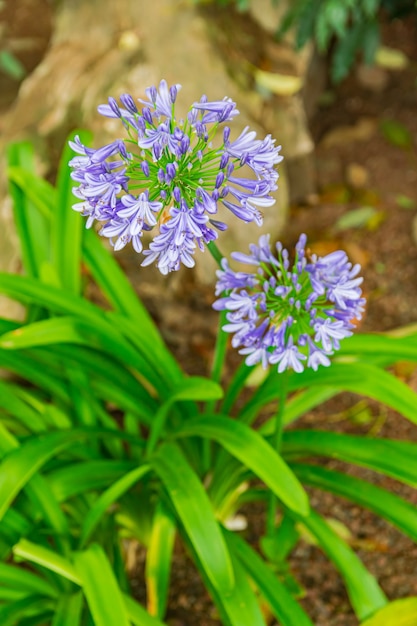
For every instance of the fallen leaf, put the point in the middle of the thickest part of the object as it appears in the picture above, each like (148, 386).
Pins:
(376, 220)
(11, 65)
(356, 218)
(391, 59)
(396, 134)
(363, 130)
(279, 84)
(404, 202)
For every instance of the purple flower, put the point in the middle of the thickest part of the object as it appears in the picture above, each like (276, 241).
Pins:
(177, 240)
(218, 111)
(176, 166)
(161, 101)
(130, 221)
(285, 313)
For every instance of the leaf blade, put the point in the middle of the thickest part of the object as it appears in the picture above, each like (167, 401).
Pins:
(100, 587)
(254, 452)
(195, 512)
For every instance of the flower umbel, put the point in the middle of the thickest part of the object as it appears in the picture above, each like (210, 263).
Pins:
(167, 175)
(289, 313)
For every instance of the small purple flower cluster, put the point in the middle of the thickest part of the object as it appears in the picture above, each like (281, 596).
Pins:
(286, 313)
(167, 174)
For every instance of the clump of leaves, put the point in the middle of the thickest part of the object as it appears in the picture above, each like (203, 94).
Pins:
(342, 28)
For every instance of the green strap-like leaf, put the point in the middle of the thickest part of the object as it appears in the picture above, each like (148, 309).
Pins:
(111, 495)
(144, 341)
(28, 290)
(282, 604)
(19, 578)
(110, 380)
(364, 592)
(13, 527)
(389, 506)
(238, 607)
(69, 610)
(99, 335)
(20, 464)
(158, 561)
(194, 388)
(298, 405)
(67, 226)
(62, 566)
(75, 478)
(138, 615)
(41, 193)
(31, 226)
(46, 557)
(362, 378)
(383, 347)
(393, 458)
(12, 613)
(401, 612)
(115, 285)
(104, 598)
(195, 513)
(27, 366)
(38, 491)
(242, 605)
(254, 452)
(20, 410)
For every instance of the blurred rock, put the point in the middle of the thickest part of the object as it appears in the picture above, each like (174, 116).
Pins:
(268, 14)
(364, 129)
(127, 46)
(357, 176)
(372, 77)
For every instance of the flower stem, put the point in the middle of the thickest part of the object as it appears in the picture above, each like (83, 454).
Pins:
(276, 444)
(218, 359)
(215, 252)
(222, 337)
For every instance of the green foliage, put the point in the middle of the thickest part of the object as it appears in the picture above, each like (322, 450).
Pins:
(343, 29)
(104, 439)
(10, 65)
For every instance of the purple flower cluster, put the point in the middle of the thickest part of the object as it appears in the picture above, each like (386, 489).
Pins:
(167, 175)
(287, 312)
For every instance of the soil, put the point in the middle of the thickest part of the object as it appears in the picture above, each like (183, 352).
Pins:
(361, 162)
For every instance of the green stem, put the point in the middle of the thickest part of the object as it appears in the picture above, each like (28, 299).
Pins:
(276, 444)
(222, 338)
(215, 252)
(236, 384)
(218, 359)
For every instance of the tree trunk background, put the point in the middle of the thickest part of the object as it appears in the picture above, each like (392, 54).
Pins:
(101, 48)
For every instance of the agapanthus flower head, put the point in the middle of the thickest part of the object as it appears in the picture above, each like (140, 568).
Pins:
(167, 177)
(289, 312)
